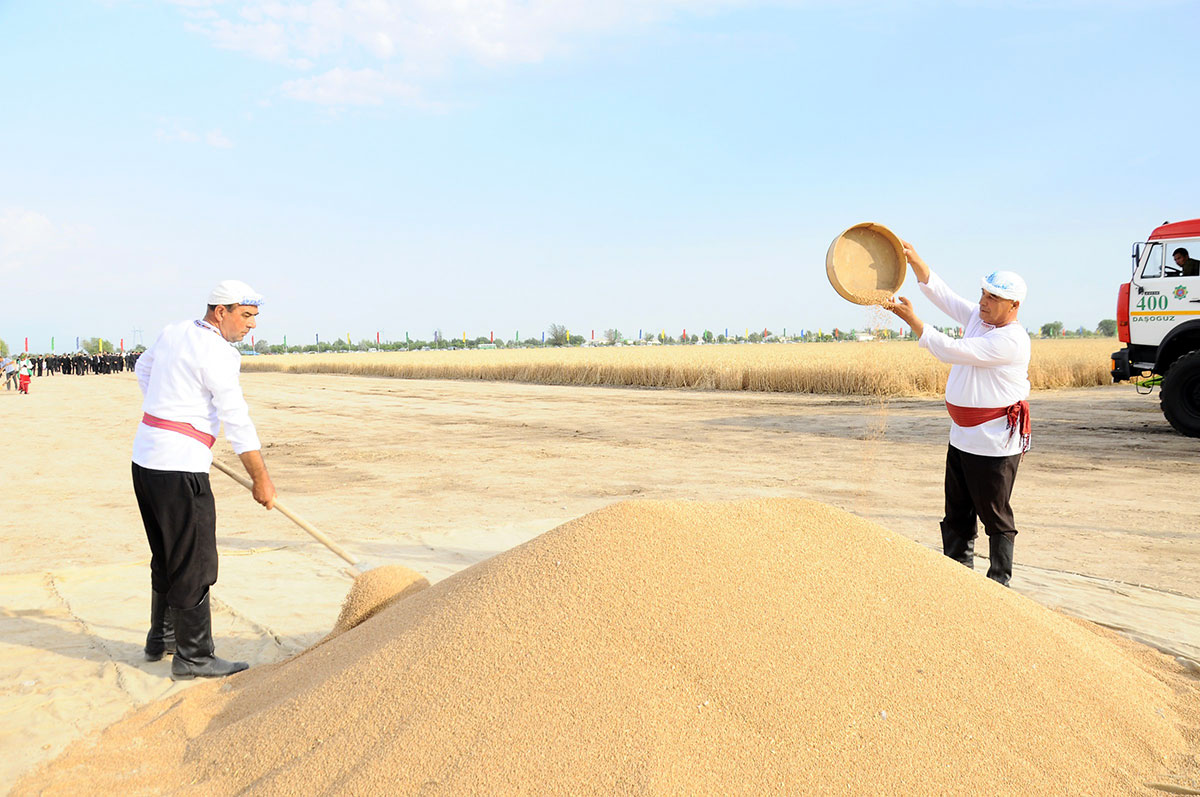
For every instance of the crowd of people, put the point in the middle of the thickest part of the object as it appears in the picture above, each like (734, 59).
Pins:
(20, 370)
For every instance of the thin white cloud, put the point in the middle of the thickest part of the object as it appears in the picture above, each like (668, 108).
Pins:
(341, 86)
(373, 51)
(216, 138)
(269, 41)
(29, 240)
(23, 231)
(72, 260)
(173, 132)
(176, 131)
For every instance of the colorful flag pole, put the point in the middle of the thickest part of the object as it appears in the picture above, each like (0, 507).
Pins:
(406, 339)
(492, 336)
(464, 338)
(76, 343)
(543, 338)
(376, 338)
(26, 345)
(285, 343)
(123, 344)
(52, 345)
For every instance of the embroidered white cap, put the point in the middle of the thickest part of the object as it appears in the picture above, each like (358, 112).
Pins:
(234, 292)
(1006, 285)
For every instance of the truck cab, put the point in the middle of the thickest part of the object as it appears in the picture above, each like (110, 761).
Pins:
(1158, 318)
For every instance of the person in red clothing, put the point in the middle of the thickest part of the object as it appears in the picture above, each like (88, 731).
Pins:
(24, 373)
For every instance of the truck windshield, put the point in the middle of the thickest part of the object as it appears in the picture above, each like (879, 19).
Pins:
(1150, 260)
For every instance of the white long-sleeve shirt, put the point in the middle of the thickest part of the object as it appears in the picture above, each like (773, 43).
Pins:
(989, 367)
(190, 375)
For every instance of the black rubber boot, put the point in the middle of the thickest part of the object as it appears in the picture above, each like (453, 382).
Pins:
(1000, 551)
(958, 546)
(194, 652)
(161, 637)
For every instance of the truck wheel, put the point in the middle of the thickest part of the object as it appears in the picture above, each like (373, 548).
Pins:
(1180, 398)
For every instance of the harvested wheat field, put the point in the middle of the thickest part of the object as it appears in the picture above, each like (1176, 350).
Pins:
(852, 368)
(755, 646)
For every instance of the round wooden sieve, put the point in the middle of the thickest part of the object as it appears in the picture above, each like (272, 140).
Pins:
(866, 264)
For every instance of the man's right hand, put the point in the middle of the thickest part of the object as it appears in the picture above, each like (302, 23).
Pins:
(264, 491)
(920, 270)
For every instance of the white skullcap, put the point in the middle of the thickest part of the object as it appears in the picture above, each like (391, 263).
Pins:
(234, 292)
(1006, 285)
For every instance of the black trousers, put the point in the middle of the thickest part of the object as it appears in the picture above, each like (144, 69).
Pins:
(977, 487)
(180, 517)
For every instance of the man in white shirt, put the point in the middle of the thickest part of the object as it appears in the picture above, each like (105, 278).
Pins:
(986, 396)
(189, 380)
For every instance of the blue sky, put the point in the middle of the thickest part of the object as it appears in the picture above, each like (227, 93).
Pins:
(408, 165)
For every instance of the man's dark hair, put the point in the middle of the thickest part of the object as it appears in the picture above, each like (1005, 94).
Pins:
(1180, 251)
(230, 307)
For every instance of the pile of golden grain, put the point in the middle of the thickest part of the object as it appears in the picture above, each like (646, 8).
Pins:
(768, 646)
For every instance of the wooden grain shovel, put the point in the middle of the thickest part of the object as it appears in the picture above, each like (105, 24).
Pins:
(374, 588)
(316, 533)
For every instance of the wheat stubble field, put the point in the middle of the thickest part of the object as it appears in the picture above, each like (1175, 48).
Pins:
(892, 368)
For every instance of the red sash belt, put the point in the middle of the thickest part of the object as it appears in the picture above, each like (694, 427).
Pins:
(179, 426)
(1017, 414)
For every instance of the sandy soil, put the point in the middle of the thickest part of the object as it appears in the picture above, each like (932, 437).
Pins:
(439, 475)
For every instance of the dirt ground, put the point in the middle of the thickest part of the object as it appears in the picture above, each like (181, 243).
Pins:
(439, 475)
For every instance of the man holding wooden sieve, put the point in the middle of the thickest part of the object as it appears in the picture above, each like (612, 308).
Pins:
(189, 379)
(986, 396)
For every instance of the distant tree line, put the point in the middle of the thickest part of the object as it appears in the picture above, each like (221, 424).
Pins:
(559, 335)
(1107, 328)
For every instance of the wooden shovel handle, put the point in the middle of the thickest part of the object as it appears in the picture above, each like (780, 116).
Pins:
(289, 514)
